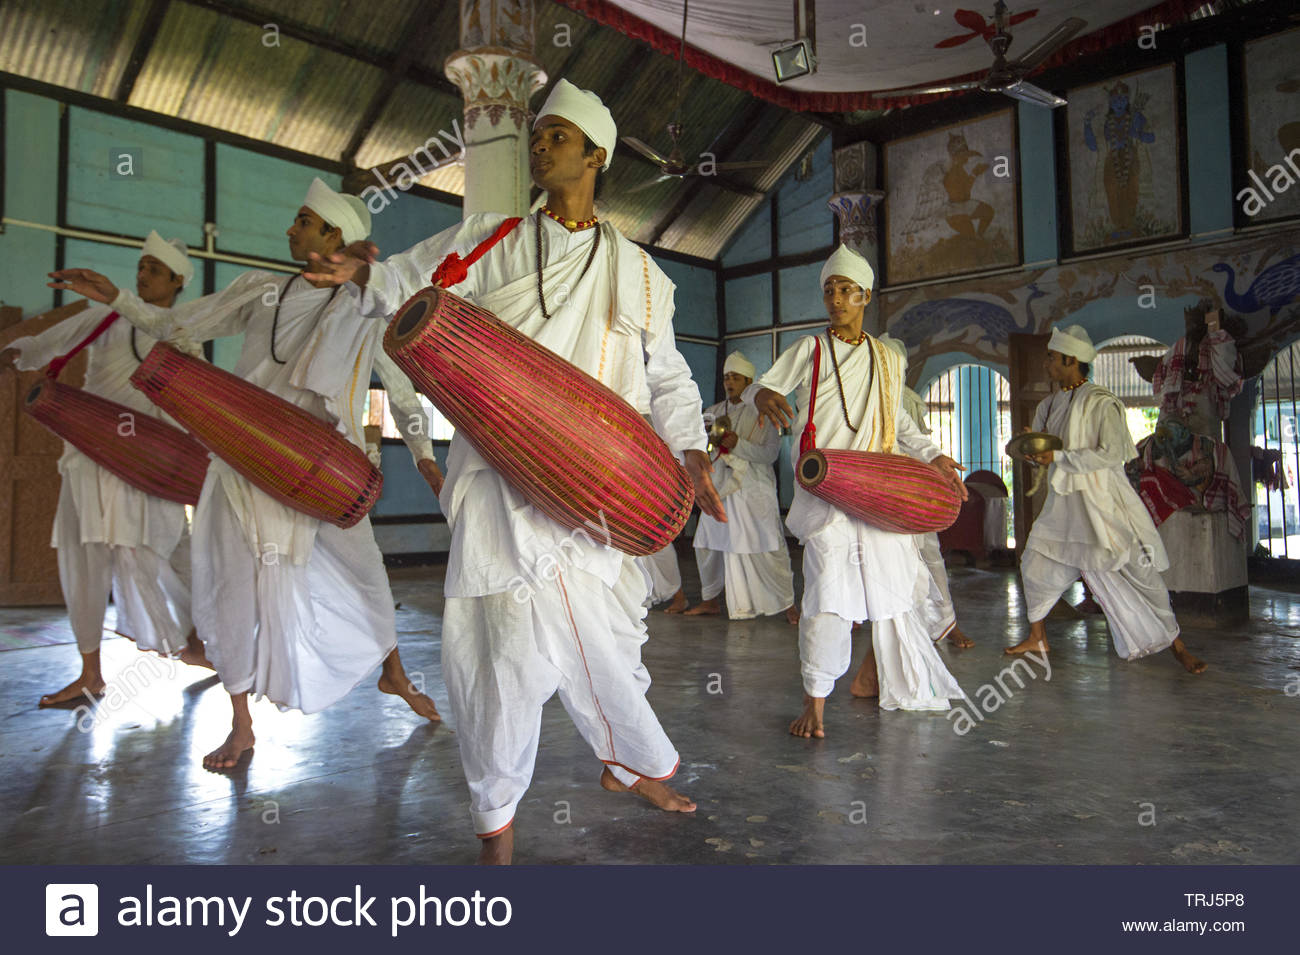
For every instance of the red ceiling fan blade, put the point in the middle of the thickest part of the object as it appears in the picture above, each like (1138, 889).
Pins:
(955, 41)
(1021, 17)
(971, 20)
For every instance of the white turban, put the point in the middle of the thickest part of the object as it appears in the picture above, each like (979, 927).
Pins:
(844, 261)
(172, 253)
(1075, 341)
(583, 109)
(345, 213)
(738, 364)
(896, 344)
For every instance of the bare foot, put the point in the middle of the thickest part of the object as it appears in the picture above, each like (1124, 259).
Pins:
(1192, 664)
(419, 702)
(959, 639)
(809, 724)
(678, 604)
(228, 754)
(792, 615)
(194, 654)
(708, 608)
(865, 686)
(1030, 644)
(498, 849)
(652, 791)
(87, 686)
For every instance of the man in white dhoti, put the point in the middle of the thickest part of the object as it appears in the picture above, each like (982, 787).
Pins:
(664, 579)
(853, 571)
(1093, 524)
(111, 536)
(940, 614)
(747, 556)
(289, 607)
(584, 291)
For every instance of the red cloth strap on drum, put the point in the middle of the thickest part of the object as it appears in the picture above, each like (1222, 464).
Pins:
(808, 440)
(454, 269)
(56, 366)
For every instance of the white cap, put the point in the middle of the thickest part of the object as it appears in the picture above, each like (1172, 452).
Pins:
(738, 364)
(346, 213)
(844, 261)
(896, 344)
(583, 109)
(1074, 341)
(172, 253)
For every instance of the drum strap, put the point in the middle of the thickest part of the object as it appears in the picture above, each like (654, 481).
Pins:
(57, 365)
(454, 269)
(808, 440)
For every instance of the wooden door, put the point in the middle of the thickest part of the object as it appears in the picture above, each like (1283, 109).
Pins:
(29, 474)
(1029, 385)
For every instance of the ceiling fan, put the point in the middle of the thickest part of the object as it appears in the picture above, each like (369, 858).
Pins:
(1005, 76)
(675, 165)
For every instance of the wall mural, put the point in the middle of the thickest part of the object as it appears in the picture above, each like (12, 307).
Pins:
(1272, 128)
(953, 205)
(1124, 167)
(1257, 279)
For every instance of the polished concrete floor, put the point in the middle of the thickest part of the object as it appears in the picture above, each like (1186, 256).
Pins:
(1106, 762)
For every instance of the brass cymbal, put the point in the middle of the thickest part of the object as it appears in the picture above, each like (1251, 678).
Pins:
(1032, 442)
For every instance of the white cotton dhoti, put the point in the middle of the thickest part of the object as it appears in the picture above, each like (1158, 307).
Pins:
(756, 584)
(302, 635)
(853, 571)
(663, 575)
(938, 612)
(1133, 597)
(504, 655)
(152, 599)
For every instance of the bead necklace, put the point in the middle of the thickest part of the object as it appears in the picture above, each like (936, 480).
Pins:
(1077, 384)
(835, 363)
(275, 320)
(573, 225)
(862, 336)
(134, 351)
(541, 297)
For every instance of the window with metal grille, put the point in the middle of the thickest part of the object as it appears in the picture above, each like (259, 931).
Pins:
(378, 413)
(1277, 454)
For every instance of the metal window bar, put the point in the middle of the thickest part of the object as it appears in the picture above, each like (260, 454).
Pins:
(1276, 430)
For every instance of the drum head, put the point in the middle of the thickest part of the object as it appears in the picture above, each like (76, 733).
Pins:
(811, 468)
(35, 392)
(413, 314)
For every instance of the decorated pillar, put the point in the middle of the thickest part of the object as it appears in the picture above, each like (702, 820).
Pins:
(497, 74)
(854, 206)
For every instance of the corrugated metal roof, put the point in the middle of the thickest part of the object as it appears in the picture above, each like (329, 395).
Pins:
(309, 84)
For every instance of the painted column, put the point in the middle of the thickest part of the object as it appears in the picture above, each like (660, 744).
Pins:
(854, 206)
(497, 74)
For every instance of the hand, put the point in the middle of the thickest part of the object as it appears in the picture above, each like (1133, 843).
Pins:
(700, 468)
(84, 282)
(350, 265)
(729, 440)
(432, 474)
(1044, 458)
(949, 468)
(773, 407)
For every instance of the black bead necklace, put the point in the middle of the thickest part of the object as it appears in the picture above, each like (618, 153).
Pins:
(275, 320)
(541, 298)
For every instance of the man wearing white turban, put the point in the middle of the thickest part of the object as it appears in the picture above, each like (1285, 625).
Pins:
(747, 555)
(940, 615)
(110, 535)
(584, 291)
(289, 607)
(1093, 524)
(853, 571)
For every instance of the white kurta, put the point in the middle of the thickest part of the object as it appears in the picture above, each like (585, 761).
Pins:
(853, 571)
(747, 555)
(1094, 525)
(289, 607)
(939, 613)
(514, 574)
(109, 534)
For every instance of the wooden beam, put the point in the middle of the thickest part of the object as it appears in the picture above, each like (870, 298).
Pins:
(149, 28)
